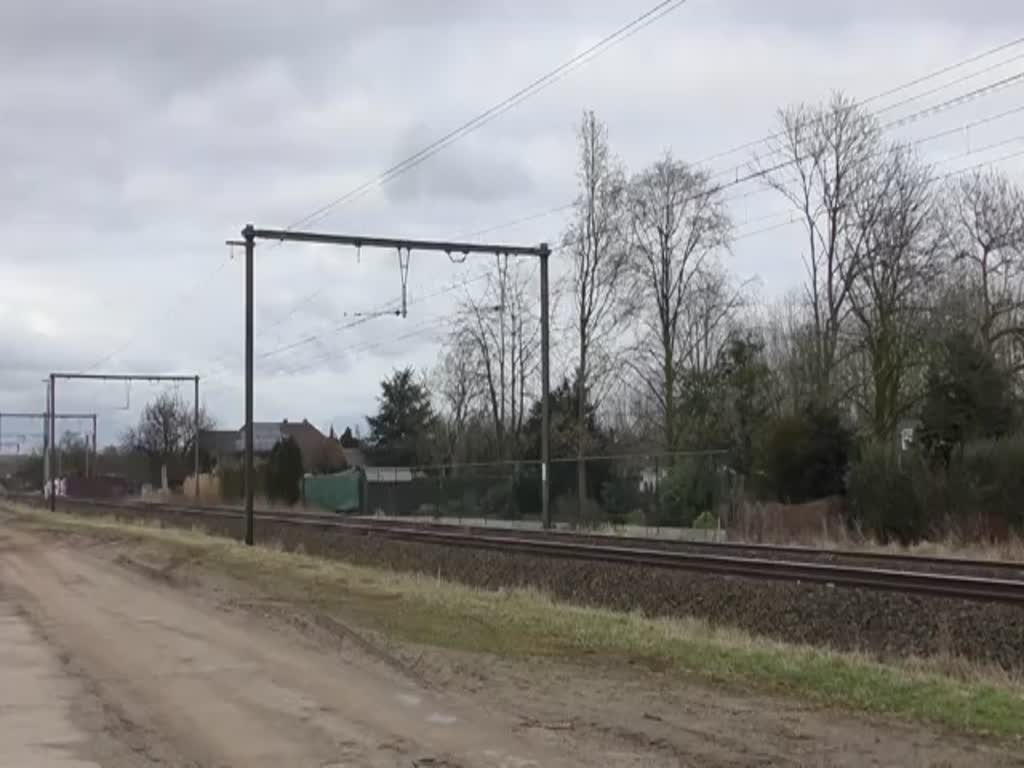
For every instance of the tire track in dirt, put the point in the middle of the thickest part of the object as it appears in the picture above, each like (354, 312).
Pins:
(230, 692)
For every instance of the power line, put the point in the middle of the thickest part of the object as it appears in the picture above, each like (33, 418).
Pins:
(382, 310)
(433, 323)
(655, 13)
(189, 294)
(932, 137)
(907, 119)
(913, 117)
(878, 96)
(916, 142)
(651, 16)
(429, 324)
(373, 315)
(795, 218)
(950, 84)
(792, 218)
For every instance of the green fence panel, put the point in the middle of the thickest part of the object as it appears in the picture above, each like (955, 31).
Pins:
(339, 492)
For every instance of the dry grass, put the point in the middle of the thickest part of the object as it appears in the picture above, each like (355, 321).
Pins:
(843, 538)
(949, 693)
(209, 488)
(1010, 549)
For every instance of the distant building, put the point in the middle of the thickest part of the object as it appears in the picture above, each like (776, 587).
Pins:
(218, 443)
(388, 474)
(320, 453)
(354, 456)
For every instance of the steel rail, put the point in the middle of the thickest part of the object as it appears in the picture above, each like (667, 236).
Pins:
(832, 575)
(887, 560)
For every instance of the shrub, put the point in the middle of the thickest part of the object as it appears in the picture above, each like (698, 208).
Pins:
(284, 471)
(689, 487)
(706, 521)
(500, 501)
(883, 498)
(807, 455)
(620, 496)
(994, 473)
(974, 494)
(567, 509)
(232, 482)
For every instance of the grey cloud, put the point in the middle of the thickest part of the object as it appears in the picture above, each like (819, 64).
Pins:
(796, 14)
(137, 136)
(477, 173)
(188, 41)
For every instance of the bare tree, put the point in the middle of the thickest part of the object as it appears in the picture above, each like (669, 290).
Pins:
(983, 214)
(501, 335)
(708, 317)
(166, 431)
(710, 327)
(457, 397)
(893, 229)
(677, 221)
(819, 160)
(595, 242)
(789, 351)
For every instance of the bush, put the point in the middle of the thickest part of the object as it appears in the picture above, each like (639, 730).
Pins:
(883, 499)
(232, 482)
(689, 488)
(284, 471)
(706, 521)
(500, 502)
(977, 494)
(994, 474)
(807, 455)
(621, 496)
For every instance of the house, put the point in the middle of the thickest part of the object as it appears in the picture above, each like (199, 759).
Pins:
(388, 474)
(218, 443)
(354, 456)
(650, 477)
(320, 453)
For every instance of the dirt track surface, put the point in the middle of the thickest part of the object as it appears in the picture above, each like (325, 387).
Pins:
(115, 667)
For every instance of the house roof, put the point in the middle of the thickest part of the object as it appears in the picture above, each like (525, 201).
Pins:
(218, 441)
(354, 457)
(317, 449)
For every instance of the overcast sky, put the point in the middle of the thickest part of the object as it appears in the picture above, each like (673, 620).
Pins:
(136, 137)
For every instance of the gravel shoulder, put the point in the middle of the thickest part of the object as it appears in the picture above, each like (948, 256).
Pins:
(205, 666)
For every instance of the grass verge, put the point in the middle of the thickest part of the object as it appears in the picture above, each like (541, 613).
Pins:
(521, 623)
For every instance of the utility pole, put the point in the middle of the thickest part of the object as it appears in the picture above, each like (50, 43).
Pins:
(44, 415)
(250, 246)
(251, 234)
(50, 409)
(545, 385)
(52, 403)
(46, 437)
(197, 439)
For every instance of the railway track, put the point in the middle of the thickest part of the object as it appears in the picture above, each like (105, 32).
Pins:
(905, 574)
(933, 564)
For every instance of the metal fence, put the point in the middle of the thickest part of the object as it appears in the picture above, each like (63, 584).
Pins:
(654, 490)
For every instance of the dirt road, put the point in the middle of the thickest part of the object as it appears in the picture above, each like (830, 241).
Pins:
(195, 688)
(107, 661)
